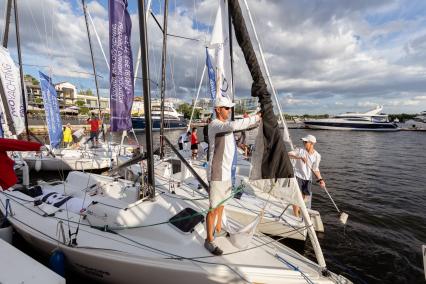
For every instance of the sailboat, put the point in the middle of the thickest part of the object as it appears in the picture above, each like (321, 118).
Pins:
(278, 218)
(115, 236)
(55, 158)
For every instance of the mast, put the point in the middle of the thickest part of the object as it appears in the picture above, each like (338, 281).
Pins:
(93, 65)
(146, 96)
(6, 23)
(232, 63)
(163, 77)
(21, 71)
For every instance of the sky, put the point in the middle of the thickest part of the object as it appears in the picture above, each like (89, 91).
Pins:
(328, 56)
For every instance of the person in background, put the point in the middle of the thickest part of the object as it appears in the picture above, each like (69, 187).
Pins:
(222, 149)
(94, 130)
(307, 162)
(67, 135)
(206, 135)
(194, 143)
(182, 139)
(241, 143)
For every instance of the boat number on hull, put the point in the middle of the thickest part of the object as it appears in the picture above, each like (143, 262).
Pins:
(93, 271)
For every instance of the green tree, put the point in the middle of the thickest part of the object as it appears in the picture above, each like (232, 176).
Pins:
(80, 103)
(84, 110)
(402, 117)
(186, 110)
(29, 78)
(38, 101)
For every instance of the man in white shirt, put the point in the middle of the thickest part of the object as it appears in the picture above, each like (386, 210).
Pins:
(222, 149)
(307, 162)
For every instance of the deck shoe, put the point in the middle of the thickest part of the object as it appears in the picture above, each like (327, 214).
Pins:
(211, 247)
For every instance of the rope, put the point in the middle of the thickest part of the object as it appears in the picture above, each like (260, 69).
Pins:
(201, 213)
(97, 37)
(295, 268)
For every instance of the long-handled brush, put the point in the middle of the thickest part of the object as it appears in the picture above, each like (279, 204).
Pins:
(343, 216)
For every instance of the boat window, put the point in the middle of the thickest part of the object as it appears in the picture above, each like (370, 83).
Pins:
(186, 220)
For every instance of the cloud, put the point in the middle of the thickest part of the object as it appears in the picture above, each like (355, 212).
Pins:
(323, 56)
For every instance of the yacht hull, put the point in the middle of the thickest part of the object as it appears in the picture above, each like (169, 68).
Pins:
(138, 124)
(368, 126)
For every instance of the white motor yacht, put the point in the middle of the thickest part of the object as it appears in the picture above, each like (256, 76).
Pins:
(373, 120)
(172, 119)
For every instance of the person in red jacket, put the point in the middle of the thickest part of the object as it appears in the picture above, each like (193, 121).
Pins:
(94, 130)
(194, 143)
(8, 177)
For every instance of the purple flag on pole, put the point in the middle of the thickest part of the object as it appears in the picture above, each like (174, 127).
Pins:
(121, 62)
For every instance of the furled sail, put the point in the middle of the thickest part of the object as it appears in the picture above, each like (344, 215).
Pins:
(275, 160)
(121, 62)
(51, 108)
(10, 80)
(220, 43)
(222, 60)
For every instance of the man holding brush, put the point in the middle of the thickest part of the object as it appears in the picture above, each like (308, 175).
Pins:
(307, 161)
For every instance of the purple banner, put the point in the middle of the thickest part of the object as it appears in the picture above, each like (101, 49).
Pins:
(121, 62)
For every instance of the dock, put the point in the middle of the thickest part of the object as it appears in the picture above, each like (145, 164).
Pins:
(17, 267)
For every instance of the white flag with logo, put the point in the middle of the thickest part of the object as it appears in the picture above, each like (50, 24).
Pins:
(10, 79)
(222, 58)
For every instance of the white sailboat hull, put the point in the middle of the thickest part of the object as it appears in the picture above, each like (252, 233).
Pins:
(67, 164)
(278, 219)
(150, 254)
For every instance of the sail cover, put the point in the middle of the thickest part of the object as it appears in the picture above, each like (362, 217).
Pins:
(10, 78)
(8, 177)
(275, 161)
(51, 108)
(121, 62)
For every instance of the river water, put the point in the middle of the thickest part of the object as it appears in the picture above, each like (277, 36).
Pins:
(379, 179)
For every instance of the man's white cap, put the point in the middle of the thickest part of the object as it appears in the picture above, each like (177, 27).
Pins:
(310, 138)
(223, 102)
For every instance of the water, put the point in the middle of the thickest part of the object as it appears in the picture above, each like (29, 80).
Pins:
(379, 179)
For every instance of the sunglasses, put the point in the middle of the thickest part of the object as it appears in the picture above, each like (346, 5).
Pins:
(226, 108)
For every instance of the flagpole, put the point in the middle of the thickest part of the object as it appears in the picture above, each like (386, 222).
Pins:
(21, 71)
(232, 63)
(163, 77)
(6, 23)
(147, 96)
(94, 67)
(6, 111)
